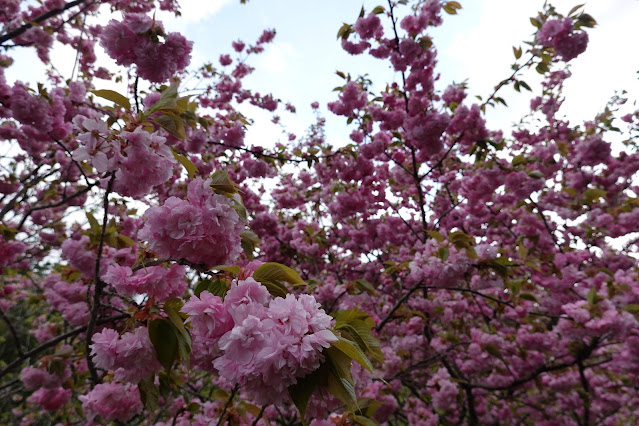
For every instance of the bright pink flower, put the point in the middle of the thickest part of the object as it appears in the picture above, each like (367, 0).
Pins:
(369, 27)
(51, 399)
(269, 349)
(351, 98)
(148, 163)
(204, 230)
(245, 292)
(155, 281)
(9, 251)
(105, 348)
(132, 356)
(34, 378)
(136, 40)
(112, 401)
(208, 316)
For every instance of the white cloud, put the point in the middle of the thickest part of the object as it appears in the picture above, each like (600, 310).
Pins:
(197, 10)
(277, 57)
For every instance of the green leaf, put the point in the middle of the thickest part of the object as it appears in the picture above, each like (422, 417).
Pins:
(7, 232)
(241, 211)
(182, 104)
(633, 309)
(191, 168)
(524, 85)
(364, 421)
(443, 253)
(164, 341)
(172, 123)
(450, 10)
(301, 391)
(246, 407)
(542, 68)
(364, 286)
(114, 97)
(535, 23)
(451, 7)
(168, 99)
(93, 223)
(436, 235)
(592, 297)
(368, 407)
(585, 20)
(339, 378)
(172, 308)
(275, 288)
(344, 31)
(593, 194)
(529, 297)
(517, 51)
(460, 240)
(124, 241)
(249, 241)
(271, 271)
(574, 9)
(149, 393)
(233, 270)
(222, 184)
(378, 10)
(353, 351)
(347, 316)
(492, 349)
(216, 288)
(361, 333)
(522, 251)
(342, 389)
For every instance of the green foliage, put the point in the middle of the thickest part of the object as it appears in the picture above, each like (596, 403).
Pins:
(271, 275)
(190, 168)
(169, 336)
(114, 97)
(215, 287)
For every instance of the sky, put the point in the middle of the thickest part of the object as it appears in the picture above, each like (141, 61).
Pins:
(475, 45)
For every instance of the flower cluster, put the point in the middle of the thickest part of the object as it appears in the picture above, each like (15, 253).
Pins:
(156, 282)
(141, 160)
(561, 36)
(68, 298)
(50, 395)
(264, 344)
(132, 356)
(136, 40)
(112, 401)
(205, 229)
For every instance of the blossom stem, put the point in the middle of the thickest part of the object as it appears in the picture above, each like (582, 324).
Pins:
(226, 406)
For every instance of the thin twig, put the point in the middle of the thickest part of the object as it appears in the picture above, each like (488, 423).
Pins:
(13, 332)
(54, 342)
(228, 403)
(399, 303)
(53, 12)
(259, 416)
(99, 284)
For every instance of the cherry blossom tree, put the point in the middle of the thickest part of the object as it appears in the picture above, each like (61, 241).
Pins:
(432, 271)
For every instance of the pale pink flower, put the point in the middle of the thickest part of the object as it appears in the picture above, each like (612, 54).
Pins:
(112, 401)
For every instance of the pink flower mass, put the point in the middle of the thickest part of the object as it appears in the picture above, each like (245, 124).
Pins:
(203, 229)
(187, 242)
(265, 344)
(135, 40)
